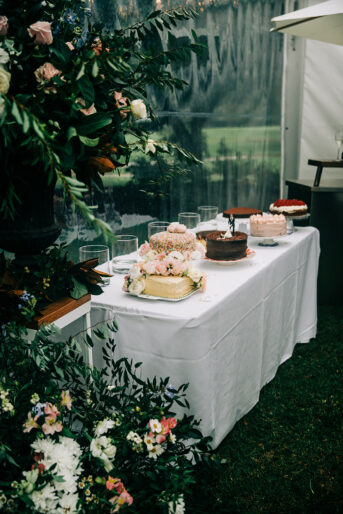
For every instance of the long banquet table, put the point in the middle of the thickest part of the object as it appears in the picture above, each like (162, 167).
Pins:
(229, 341)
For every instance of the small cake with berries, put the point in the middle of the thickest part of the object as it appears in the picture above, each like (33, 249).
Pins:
(289, 207)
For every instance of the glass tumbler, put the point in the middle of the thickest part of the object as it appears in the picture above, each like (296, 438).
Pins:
(190, 219)
(157, 226)
(124, 253)
(207, 212)
(100, 252)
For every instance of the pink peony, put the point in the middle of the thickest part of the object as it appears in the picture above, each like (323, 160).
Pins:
(66, 399)
(144, 248)
(150, 267)
(3, 25)
(41, 31)
(161, 268)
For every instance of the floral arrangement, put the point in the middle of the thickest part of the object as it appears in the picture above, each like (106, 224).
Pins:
(174, 264)
(79, 440)
(71, 93)
(24, 292)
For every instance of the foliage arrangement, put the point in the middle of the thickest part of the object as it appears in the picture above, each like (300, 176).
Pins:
(72, 94)
(25, 291)
(75, 439)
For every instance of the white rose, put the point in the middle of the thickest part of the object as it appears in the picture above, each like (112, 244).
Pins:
(150, 146)
(196, 255)
(150, 255)
(176, 255)
(5, 79)
(135, 272)
(194, 274)
(137, 286)
(110, 451)
(4, 57)
(138, 109)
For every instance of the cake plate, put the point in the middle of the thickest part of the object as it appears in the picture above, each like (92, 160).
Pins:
(150, 297)
(250, 254)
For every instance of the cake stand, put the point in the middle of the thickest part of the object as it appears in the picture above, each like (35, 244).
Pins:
(268, 241)
(290, 218)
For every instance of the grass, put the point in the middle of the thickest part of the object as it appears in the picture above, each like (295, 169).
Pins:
(285, 456)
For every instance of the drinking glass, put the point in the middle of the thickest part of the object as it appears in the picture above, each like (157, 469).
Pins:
(339, 141)
(124, 253)
(157, 226)
(207, 212)
(190, 219)
(100, 252)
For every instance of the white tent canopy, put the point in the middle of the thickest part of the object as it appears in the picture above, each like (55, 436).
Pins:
(312, 104)
(323, 22)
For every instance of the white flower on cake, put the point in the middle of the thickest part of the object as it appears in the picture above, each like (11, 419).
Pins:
(196, 255)
(194, 274)
(135, 272)
(137, 286)
(149, 267)
(150, 255)
(176, 255)
(138, 109)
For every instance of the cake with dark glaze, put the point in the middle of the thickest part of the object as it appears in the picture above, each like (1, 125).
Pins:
(226, 249)
(241, 212)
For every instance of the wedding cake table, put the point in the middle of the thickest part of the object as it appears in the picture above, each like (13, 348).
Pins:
(228, 341)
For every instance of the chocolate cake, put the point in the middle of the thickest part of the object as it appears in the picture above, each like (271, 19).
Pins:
(241, 212)
(228, 249)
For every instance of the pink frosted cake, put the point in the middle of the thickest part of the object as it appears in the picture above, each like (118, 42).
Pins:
(268, 225)
(175, 238)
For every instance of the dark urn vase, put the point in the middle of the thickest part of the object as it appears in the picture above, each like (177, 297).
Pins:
(33, 228)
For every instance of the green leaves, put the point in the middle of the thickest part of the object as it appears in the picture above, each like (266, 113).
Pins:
(87, 90)
(93, 122)
(89, 142)
(78, 289)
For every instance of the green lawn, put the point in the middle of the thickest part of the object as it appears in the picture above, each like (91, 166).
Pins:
(285, 456)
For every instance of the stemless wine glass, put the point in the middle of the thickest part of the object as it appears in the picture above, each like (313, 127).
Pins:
(207, 212)
(339, 141)
(124, 253)
(157, 226)
(100, 252)
(190, 219)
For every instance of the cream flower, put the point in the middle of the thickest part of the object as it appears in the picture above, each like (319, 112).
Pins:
(135, 272)
(138, 109)
(194, 274)
(103, 426)
(137, 286)
(41, 31)
(5, 79)
(4, 57)
(150, 146)
(155, 451)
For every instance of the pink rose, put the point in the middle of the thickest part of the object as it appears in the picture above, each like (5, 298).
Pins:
(90, 110)
(45, 72)
(41, 31)
(3, 25)
(144, 248)
(161, 268)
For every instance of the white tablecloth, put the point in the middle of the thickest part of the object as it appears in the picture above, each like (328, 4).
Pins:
(229, 341)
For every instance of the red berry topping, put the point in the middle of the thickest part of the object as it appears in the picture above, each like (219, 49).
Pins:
(283, 203)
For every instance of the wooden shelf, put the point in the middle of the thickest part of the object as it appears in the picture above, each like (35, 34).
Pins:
(57, 309)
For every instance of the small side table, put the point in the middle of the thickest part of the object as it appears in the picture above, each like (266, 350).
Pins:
(323, 164)
(63, 312)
